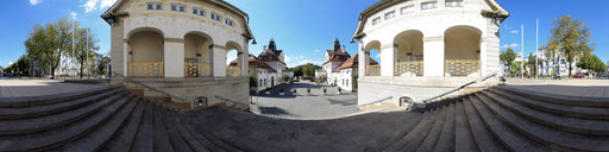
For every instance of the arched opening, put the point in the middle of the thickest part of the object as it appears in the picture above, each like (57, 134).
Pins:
(372, 54)
(197, 55)
(409, 53)
(233, 58)
(146, 53)
(462, 51)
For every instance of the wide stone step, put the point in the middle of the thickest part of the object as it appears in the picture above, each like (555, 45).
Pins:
(558, 109)
(482, 135)
(60, 136)
(201, 131)
(429, 143)
(509, 137)
(19, 102)
(125, 137)
(23, 126)
(446, 140)
(177, 140)
(416, 135)
(144, 139)
(599, 102)
(11, 113)
(464, 140)
(549, 136)
(585, 126)
(197, 144)
(95, 140)
(161, 139)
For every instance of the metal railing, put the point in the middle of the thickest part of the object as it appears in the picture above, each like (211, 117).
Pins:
(146, 69)
(373, 70)
(233, 71)
(150, 87)
(461, 67)
(429, 100)
(414, 67)
(194, 69)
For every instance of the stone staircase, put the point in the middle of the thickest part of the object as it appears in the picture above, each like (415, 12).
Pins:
(500, 118)
(105, 119)
(505, 119)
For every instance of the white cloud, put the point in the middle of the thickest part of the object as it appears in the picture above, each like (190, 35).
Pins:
(106, 3)
(317, 50)
(35, 2)
(74, 15)
(287, 59)
(309, 61)
(378, 55)
(9, 63)
(92, 5)
(512, 45)
(514, 31)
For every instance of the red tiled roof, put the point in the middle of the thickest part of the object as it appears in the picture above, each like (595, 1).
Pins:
(353, 62)
(254, 62)
(270, 56)
(338, 55)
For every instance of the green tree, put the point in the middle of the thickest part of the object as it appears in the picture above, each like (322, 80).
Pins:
(531, 64)
(47, 43)
(592, 63)
(507, 57)
(84, 48)
(515, 67)
(101, 65)
(570, 39)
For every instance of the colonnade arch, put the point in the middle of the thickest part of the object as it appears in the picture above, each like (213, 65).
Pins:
(462, 51)
(145, 52)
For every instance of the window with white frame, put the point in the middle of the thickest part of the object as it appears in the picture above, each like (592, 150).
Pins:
(407, 9)
(229, 22)
(215, 17)
(182, 8)
(149, 6)
(389, 15)
(376, 21)
(174, 7)
(201, 12)
(195, 11)
(454, 3)
(428, 5)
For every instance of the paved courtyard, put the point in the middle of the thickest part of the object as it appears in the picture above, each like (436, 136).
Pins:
(21, 88)
(304, 105)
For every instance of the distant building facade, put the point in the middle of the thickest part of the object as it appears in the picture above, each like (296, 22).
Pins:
(175, 43)
(426, 47)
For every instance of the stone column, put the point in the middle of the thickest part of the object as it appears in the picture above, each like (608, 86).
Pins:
(119, 49)
(433, 56)
(219, 60)
(387, 59)
(363, 61)
(173, 58)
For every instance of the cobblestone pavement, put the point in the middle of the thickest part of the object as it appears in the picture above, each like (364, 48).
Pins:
(22, 88)
(301, 104)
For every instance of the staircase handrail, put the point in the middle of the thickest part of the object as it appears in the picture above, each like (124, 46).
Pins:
(459, 88)
(149, 87)
(377, 101)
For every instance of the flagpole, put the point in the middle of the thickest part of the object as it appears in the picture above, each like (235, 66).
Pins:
(536, 47)
(87, 51)
(522, 51)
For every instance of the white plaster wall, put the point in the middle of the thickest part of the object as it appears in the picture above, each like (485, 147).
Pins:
(433, 23)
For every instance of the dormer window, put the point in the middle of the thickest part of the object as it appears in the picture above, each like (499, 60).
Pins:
(407, 9)
(428, 5)
(454, 3)
(376, 21)
(389, 15)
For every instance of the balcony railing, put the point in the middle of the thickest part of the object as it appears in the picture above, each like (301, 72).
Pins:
(146, 69)
(373, 70)
(409, 67)
(233, 71)
(461, 67)
(194, 69)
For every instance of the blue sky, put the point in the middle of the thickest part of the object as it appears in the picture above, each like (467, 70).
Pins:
(303, 29)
